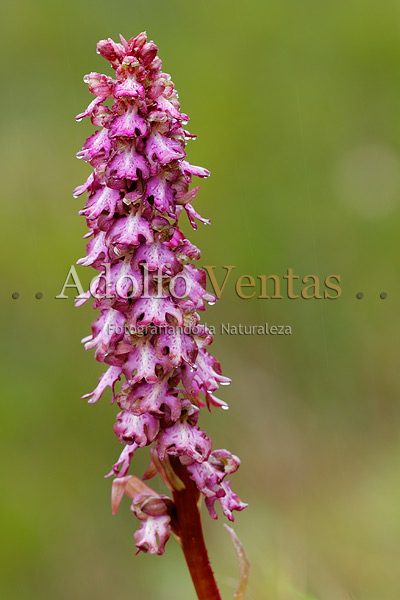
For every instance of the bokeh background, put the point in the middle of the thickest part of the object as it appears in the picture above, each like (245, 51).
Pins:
(297, 109)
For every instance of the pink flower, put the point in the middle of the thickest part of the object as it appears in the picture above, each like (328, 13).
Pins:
(153, 534)
(156, 398)
(141, 363)
(133, 429)
(127, 163)
(103, 200)
(129, 123)
(184, 439)
(130, 231)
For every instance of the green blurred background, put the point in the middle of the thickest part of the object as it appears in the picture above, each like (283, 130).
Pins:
(296, 105)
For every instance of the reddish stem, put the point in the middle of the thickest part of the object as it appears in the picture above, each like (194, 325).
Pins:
(191, 534)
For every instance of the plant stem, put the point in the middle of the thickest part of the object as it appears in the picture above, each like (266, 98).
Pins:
(192, 539)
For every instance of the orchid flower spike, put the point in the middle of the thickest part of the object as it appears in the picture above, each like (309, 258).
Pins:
(149, 292)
